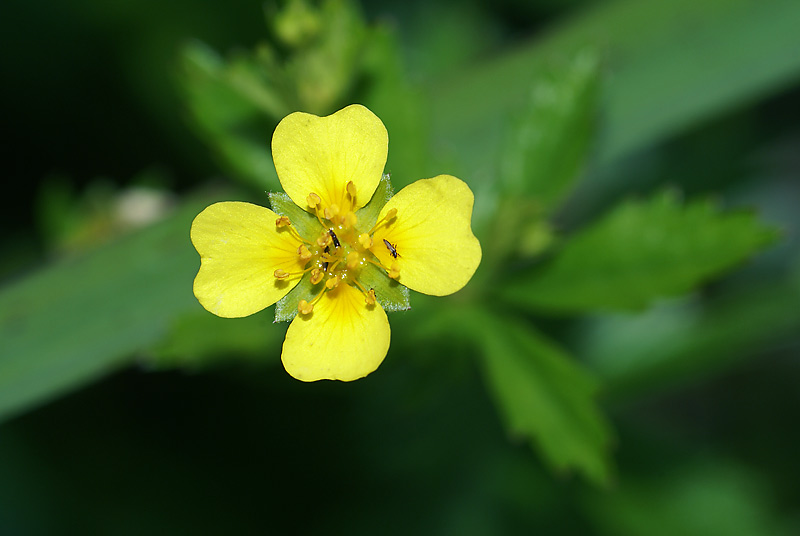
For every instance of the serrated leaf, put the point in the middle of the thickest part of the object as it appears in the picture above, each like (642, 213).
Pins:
(544, 396)
(641, 251)
(550, 139)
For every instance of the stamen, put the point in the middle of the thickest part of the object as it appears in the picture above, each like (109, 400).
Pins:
(353, 259)
(305, 308)
(304, 253)
(389, 216)
(316, 276)
(370, 299)
(324, 240)
(351, 189)
(283, 221)
(281, 274)
(313, 200)
(331, 212)
(332, 283)
(365, 240)
(394, 271)
(350, 220)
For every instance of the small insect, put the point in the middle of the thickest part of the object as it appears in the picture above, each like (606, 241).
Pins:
(391, 247)
(334, 238)
(325, 264)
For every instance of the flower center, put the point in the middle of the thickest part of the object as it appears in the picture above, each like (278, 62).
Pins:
(340, 251)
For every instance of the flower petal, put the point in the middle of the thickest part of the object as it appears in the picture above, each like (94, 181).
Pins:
(437, 252)
(240, 248)
(343, 339)
(322, 154)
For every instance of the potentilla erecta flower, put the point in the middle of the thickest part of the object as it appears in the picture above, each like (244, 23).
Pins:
(337, 251)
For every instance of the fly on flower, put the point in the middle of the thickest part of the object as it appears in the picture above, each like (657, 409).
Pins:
(324, 253)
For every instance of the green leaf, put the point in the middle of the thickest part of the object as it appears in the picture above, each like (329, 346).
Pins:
(544, 395)
(641, 251)
(82, 318)
(549, 142)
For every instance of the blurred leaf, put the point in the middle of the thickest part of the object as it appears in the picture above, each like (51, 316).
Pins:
(548, 145)
(673, 343)
(671, 63)
(641, 251)
(235, 106)
(82, 318)
(702, 499)
(545, 396)
(199, 340)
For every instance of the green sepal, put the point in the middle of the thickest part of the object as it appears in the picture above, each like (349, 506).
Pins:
(389, 293)
(304, 222)
(286, 308)
(368, 214)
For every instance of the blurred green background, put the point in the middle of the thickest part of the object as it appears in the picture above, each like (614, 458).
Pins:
(624, 362)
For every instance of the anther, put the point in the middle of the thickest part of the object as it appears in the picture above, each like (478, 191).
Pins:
(303, 252)
(304, 307)
(394, 271)
(332, 283)
(350, 220)
(331, 212)
(316, 276)
(391, 214)
(324, 240)
(351, 189)
(283, 221)
(353, 259)
(280, 274)
(313, 200)
(365, 240)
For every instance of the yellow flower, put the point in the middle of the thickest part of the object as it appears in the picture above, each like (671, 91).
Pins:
(338, 250)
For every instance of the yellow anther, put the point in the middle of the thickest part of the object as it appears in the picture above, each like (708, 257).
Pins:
(365, 240)
(331, 211)
(303, 252)
(316, 276)
(304, 307)
(350, 220)
(351, 189)
(370, 297)
(313, 200)
(394, 271)
(280, 274)
(283, 221)
(332, 283)
(324, 240)
(391, 214)
(353, 259)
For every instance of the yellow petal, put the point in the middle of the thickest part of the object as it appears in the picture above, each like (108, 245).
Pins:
(322, 154)
(240, 248)
(343, 339)
(436, 250)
